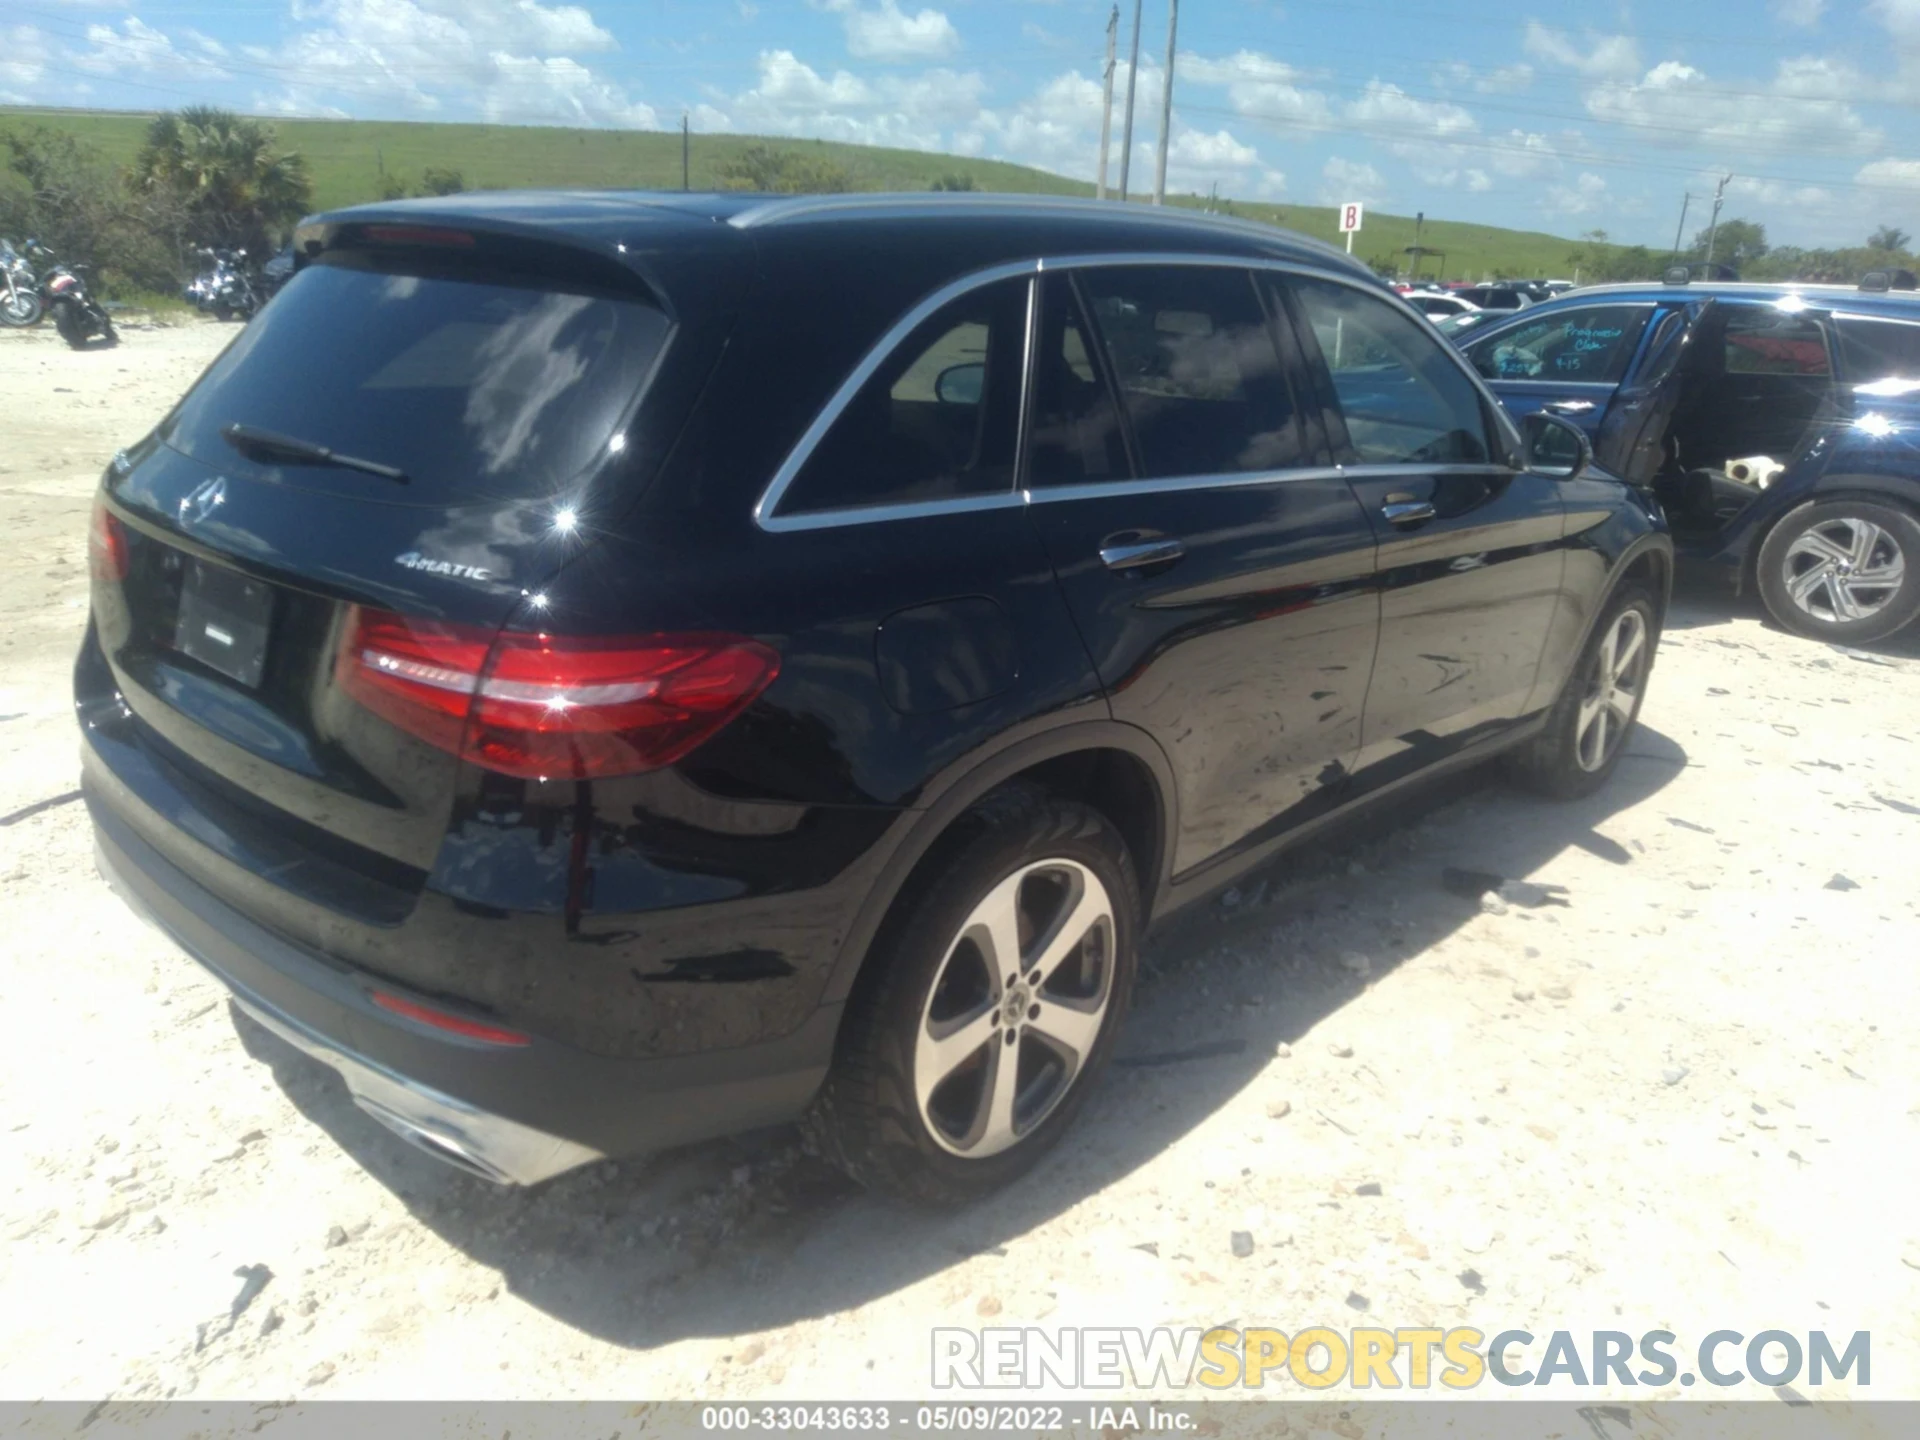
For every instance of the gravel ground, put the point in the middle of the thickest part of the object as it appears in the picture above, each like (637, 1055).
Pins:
(1672, 1082)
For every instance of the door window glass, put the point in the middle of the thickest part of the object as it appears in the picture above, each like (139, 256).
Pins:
(1194, 359)
(1763, 340)
(1404, 398)
(937, 420)
(1589, 346)
(1880, 350)
(1076, 435)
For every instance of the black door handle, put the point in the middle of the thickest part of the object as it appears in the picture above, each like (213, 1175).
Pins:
(1137, 554)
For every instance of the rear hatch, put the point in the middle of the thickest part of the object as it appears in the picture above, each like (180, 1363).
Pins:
(428, 422)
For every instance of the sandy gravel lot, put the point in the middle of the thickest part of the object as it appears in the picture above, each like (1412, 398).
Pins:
(1687, 1098)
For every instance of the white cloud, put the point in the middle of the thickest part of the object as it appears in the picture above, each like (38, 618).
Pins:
(1891, 174)
(1507, 80)
(1901, 19)
(558, 89)
(915, 112)
(1610, 56)
(1522, 154)
(889, 33)
(1389, 110)
(1804, 14)
(1257, 86)
(1342, 180)
(138, 49)
(23, 58)
(506, 60)
(1805, 108)
(1586, 195)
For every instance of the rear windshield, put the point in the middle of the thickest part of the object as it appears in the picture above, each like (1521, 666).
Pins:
(478, 388)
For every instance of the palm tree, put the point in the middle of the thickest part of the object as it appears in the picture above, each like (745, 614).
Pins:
(236, 184)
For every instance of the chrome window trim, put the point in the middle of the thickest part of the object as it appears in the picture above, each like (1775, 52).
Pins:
(765, 511)
(907, 510)
(1845, 316)
(1115, 489)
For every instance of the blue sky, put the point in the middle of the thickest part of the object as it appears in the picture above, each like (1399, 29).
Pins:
(1554, 115)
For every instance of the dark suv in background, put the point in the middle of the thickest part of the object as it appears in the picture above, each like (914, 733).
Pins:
(605, 670)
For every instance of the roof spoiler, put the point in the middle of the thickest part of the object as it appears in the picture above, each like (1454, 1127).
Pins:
(1888, 280)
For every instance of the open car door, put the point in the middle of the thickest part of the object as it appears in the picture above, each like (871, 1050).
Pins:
(1632, 437)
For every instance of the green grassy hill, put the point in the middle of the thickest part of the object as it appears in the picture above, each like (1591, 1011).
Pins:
(349, 159)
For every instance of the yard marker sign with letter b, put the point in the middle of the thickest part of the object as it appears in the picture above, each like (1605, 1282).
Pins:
(1350, 214)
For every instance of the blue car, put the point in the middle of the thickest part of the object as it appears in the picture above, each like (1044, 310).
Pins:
(1778, 425)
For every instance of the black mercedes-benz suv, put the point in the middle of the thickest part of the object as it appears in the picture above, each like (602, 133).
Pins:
(605, 670)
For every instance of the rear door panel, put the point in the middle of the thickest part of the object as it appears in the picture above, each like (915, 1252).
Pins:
(1245, 655)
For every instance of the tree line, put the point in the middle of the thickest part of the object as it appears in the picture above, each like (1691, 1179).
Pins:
(202, 177)
(1743, 245)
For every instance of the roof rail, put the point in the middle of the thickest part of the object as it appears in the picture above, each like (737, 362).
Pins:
(1888, 280)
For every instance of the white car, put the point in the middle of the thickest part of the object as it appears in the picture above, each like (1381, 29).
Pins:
(1438, 306)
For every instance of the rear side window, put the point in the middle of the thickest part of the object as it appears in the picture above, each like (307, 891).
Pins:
(1194, 359)
(1762, 340)
(477, 388)
(1076, 436)
(1590, 346)
(1880, 350)
(1404, 398)
(937, 421)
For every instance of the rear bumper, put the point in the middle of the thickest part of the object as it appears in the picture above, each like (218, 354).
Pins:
(516, 1115)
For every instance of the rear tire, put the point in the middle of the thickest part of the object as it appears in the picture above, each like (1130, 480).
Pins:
(70, 327)
(23, 311)
(1846, 571)
(1586, 731)
(949, 1082)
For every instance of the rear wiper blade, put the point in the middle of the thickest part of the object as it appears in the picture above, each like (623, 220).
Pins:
(265, 445)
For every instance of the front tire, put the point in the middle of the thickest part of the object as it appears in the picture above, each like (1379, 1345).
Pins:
(1847, 571)
(1586, 731)
(72, 329)
(990, 1004)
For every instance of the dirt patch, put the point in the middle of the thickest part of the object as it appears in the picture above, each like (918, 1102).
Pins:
(1646, 1061)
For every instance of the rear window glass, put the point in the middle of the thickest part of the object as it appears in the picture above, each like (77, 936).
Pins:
(1764, 341)
(477, 388)
(1880, 350)
(1585, 346)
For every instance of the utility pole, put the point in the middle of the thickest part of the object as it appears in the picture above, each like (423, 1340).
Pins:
(1166, 108)
(1106, 104)
(1713, 225)
(1680, 230)
(686, 149)
(1126, 129)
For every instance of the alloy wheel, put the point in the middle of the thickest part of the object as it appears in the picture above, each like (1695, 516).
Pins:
(1843, 569)
(1016, 1007)
(1613, 691)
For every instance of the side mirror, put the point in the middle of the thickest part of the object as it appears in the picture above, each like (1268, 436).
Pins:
(1556, 447)
(961, 384)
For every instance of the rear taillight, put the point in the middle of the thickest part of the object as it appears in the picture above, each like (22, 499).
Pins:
(547, 706)
(106, 545)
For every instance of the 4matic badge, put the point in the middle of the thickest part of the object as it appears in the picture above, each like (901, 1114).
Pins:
(414, 560)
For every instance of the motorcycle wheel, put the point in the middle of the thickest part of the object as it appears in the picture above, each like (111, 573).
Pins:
(72, 328)
(21, 311)
(223, 312)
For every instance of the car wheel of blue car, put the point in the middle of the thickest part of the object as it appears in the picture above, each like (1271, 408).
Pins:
(1843, 570)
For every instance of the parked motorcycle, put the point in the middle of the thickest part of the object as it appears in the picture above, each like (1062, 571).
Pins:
(76, 314)
(226, 288)
(20, 303)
